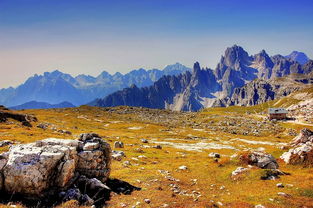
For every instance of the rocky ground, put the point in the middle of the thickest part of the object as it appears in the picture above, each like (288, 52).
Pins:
(220, 157)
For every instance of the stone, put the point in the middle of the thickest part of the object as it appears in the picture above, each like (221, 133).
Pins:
(283, 194)
(118, 155)
(280, 185)
(183, 167)
(238, 171)
(148, 201)
(259, 206)
(43, 126)
(214, 155)
(158, 147)
(118, 144)
(144, 141)
(260, 159)
(53, 164)
(5, 143)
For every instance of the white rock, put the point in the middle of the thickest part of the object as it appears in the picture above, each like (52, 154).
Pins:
(214, 155)
(148, 201)
(183, 167)
(238, 171)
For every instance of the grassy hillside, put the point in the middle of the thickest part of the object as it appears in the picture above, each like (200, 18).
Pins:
(187, 139)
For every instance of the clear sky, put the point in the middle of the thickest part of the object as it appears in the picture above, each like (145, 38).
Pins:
(88, 36)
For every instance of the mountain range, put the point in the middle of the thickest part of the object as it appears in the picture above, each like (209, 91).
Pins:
(204, 87)
(42, 105)
(56, 87)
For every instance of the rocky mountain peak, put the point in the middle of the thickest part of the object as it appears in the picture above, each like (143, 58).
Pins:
(263, 59)
(196, 68)
(234, 55)
(300, 57)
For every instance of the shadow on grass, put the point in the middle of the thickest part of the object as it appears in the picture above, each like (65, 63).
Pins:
(53, 198)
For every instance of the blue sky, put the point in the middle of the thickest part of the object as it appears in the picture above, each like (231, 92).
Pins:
(88, 36)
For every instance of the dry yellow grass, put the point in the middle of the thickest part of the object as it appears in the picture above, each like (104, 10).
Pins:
(246, 191)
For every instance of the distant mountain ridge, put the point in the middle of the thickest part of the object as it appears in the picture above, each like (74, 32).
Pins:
(42, 105)
(201, 88)
(56, 87)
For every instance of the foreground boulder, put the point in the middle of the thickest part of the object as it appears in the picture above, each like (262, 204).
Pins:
(50, 166)
(302, 151)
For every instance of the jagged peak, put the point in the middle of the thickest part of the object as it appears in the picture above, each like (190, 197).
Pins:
(53, 73)
(196, 67)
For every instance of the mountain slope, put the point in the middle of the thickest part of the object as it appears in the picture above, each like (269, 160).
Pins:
(42, 105)
(56, 87)
(260, 91)
(206, 87)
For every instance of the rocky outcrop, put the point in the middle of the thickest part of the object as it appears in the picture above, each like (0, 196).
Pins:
(25, 119)
(50, 166)
(302, 149)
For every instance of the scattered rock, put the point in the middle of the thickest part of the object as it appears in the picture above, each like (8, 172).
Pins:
(283, 194)
(118, 155)
(43, 126)
(280, 185)
(148, 201)
(183, 167)
(139, 150)
(238, 171)
(118, 144)
(259, 206)
(158, 147)
(5, 143)
(64, 132)
(214, 155)
(144, 141)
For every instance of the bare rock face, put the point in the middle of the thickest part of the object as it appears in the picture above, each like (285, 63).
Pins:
(302, 151)
(260, 159)
(32, 170)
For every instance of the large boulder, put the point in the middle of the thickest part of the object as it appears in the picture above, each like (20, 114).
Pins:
(302, 151)
(306, 135)
(35, 169)
(260, 159)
